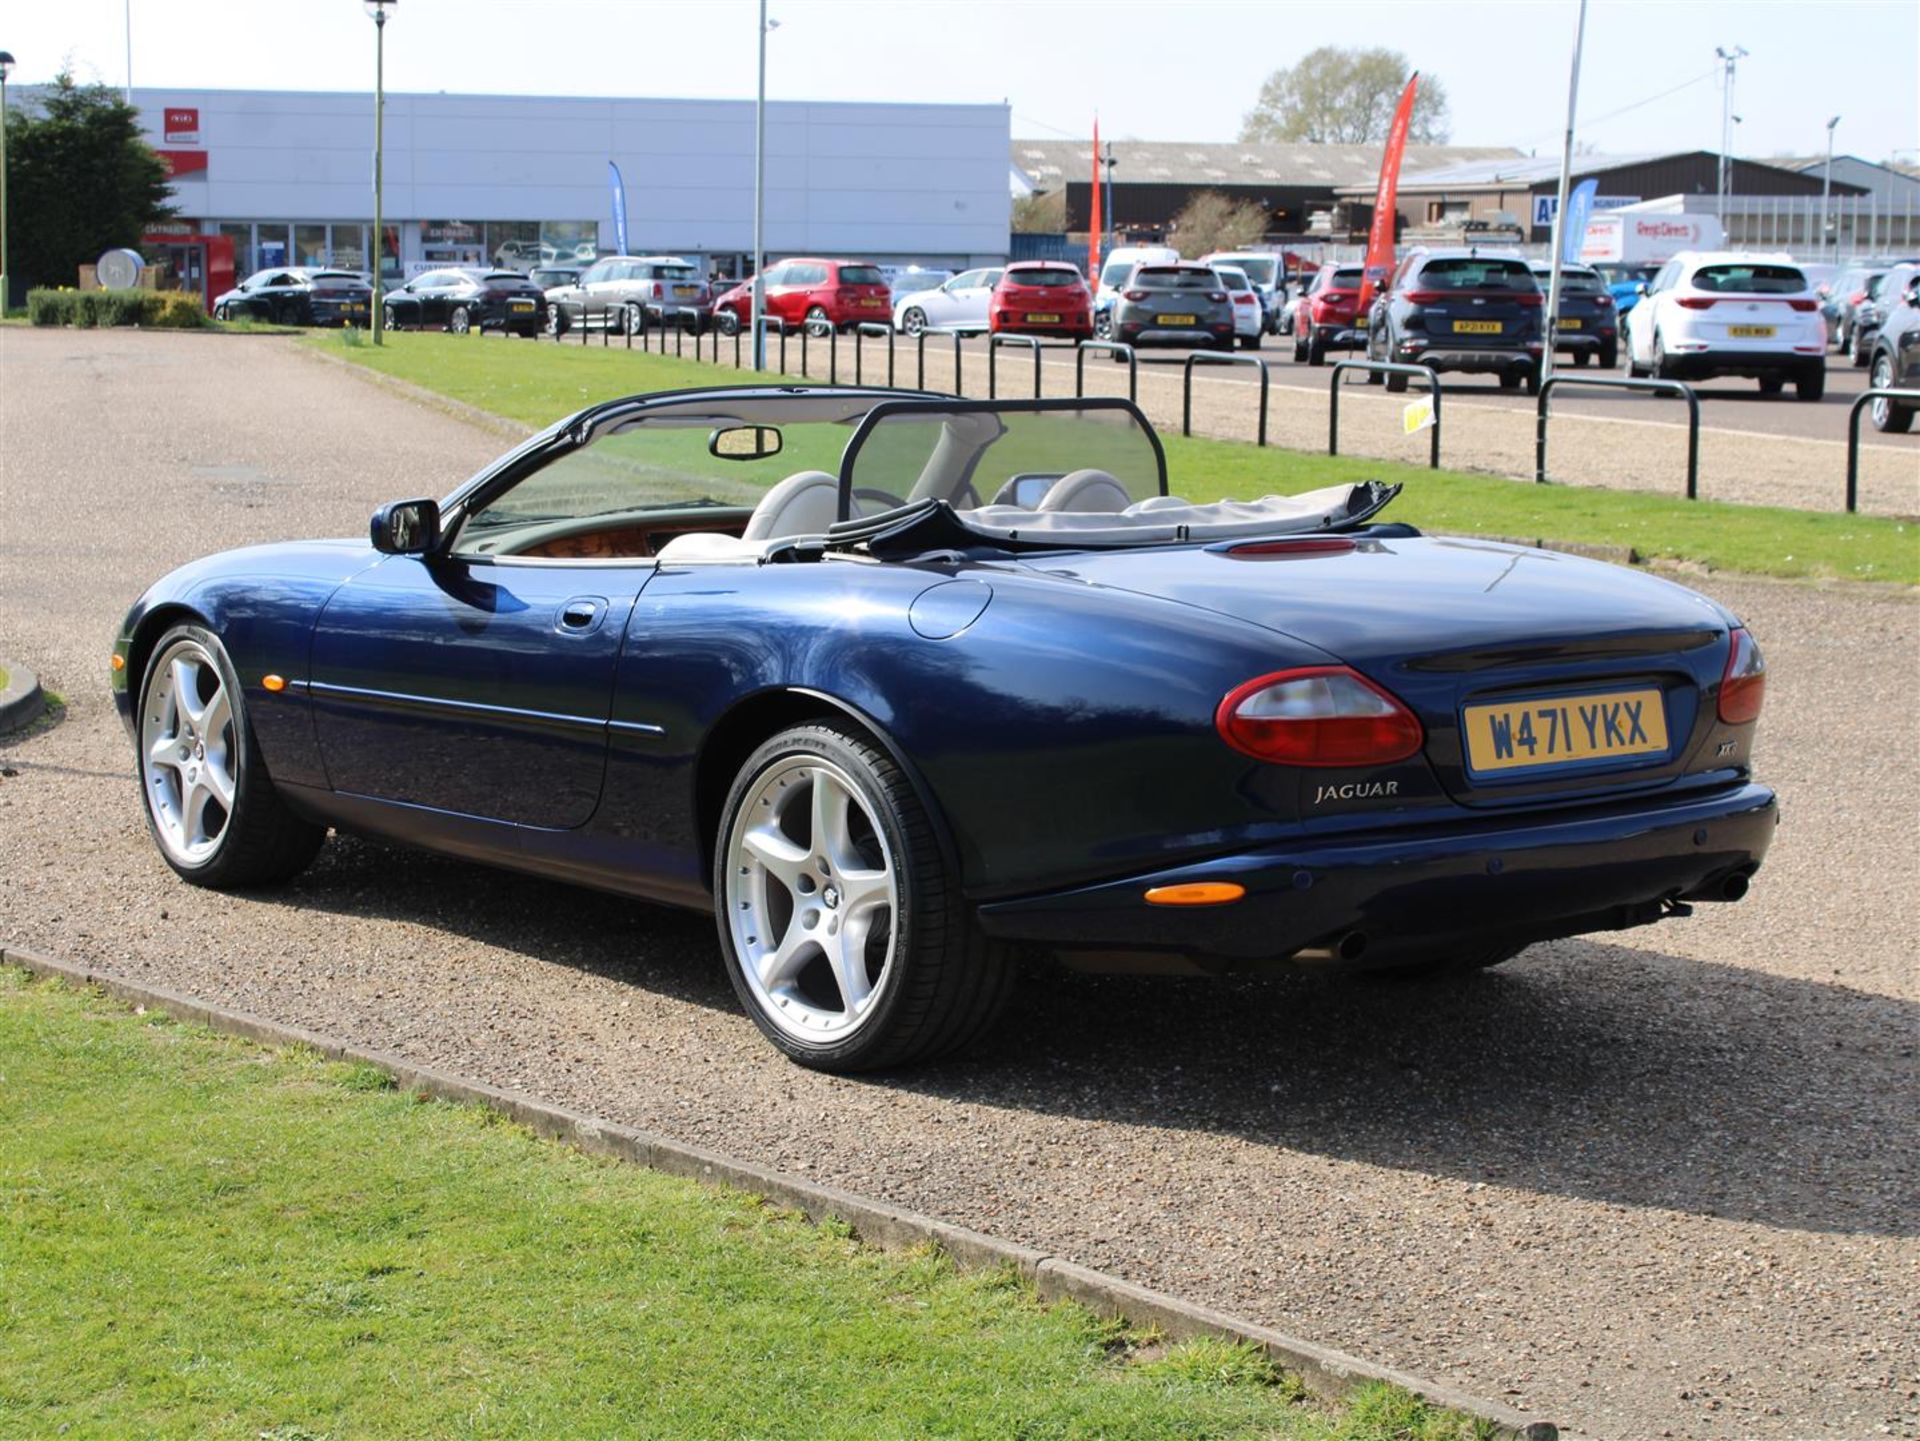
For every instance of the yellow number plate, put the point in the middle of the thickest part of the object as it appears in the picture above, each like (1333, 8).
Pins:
(1565, 730)
(1044, 319)
(520, 304)
(1571, 323)
(1476, 327)
(1177, 320)
(1750, 332)
(685, 289)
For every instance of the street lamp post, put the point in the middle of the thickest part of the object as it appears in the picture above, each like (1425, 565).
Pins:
(1826, 190)
(1729, 59)
(378, 10)
(757, 317)
(6, 217)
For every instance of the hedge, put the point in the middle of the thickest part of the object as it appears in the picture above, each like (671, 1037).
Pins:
(158, 309)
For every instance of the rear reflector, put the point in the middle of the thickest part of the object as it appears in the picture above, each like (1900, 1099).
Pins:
(1743, 685)
(1317, 716)
(1198, 893)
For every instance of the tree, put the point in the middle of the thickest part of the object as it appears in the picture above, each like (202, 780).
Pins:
(1041, 213)
(1211, 221)
(1345, 96)
(80, 180)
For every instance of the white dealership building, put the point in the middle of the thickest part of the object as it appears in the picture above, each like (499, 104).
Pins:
(286, 176)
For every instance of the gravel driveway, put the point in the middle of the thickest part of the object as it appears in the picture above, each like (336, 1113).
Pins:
(1662, 1184)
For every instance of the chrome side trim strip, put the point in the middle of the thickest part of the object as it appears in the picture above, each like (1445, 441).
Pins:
(396, 700)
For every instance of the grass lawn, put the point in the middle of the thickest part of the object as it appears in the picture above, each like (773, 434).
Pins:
(202, 1237)
(538, 383)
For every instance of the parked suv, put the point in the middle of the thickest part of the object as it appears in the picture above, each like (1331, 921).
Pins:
(1871, 305)
(1728, 313)
(464, 300)
(1463, 310)
(1896, 349)
(1184, 304)
(1264, 269)
(1326, 314)
(615, 291)
(1587, 327)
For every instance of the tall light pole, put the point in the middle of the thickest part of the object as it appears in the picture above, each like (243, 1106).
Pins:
(1826, 189)
(1729, 59)
(378, 10)
(1560, 216)
(760, 198)
(6, 69)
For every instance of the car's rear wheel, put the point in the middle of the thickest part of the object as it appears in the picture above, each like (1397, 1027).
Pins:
(1509, 380)
(1397, 384)
(633, 319)
(1772, 384)
(1251, 342)
(843, 934)
(388, 319)
(1609, 356)
(1861, 353)
(1580, 358)
(209, 802)
(1812, 382)
(1660, 370)
(727, 321)
(460, 322)
(1888, 417)
(556, 321)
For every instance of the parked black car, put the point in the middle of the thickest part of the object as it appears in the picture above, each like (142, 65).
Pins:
(1587, 326)
(1460, 310)
(296, 295)
(551, 277)
(463, 300)
(1896, 349)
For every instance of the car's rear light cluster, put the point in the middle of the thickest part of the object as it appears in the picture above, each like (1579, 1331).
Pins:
(1743, 685)
(1530, 300)
(1134, 294)
(1706, 302)
(1317, 716)
(1216, 296)
(1425, 297)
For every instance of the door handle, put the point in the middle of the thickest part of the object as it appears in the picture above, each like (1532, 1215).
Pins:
(579, 614)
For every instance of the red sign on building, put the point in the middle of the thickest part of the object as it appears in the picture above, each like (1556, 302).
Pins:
(183, 127)
(182, 162)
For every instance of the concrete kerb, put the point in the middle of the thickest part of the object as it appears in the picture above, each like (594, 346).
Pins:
(1327, 1374)
(22, 702)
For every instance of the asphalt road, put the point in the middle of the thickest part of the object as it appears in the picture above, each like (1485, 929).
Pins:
(1658, 1183)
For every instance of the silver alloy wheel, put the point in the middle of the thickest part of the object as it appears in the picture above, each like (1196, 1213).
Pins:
(811, 900)
(458, 322)
(1879, 409)
(914, 321)
(189, 762)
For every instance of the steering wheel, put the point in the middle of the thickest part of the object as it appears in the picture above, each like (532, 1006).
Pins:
(887, 499)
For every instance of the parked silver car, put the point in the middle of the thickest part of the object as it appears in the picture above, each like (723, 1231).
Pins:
(1177, 304)
(616, 292)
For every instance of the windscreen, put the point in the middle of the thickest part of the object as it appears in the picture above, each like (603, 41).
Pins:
(1166, 277)
(1345, 278)
(1475, 273)
(1231, 278)
(1094, 459)
(1573, 282)
(1051, 275)
(1750, 278)
(1115, 274)
(338, 282)
(861, 275)
(1260, 269)
(673, 272)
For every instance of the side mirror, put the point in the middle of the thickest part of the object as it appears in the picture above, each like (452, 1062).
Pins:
(1640, 287)
(745, 442)
(1913, 291)
(406, 527)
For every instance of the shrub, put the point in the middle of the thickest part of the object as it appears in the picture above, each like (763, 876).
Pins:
(165, 310)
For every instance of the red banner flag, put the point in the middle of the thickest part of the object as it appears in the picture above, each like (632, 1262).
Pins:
(1386, 198)
(1093, 226)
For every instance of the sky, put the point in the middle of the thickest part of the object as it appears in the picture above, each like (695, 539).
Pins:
(1152, 69)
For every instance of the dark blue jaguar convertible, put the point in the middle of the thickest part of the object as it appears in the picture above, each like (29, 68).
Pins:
(899, 686)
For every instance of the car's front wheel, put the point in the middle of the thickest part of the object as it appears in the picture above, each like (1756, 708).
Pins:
(913, 321)
(726, 322)
(209, 801)
(556, 324)
(1887, 417)
(843, 934)
(460, 321)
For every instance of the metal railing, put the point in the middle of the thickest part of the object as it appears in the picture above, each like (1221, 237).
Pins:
(1860, 403)
(1119, 349)
(1598, 382)
(860, 332)
(1383, 368)
(1221, 357)
(920, 358)
(994, 342)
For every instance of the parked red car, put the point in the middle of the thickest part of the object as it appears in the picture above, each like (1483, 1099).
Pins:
(1325, 316)
(821, 293)
(1041, 297)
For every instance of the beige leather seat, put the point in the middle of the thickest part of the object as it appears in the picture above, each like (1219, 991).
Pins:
(805, 503)
(1086, 492)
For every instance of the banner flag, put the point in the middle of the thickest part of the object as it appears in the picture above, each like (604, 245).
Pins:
(1418, 416)
(619, 193)
(1380, 237)
(1093, 225)
(1579, 211)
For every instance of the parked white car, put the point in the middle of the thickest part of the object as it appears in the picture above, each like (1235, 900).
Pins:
(1267, 272)
(961, 303)
(1730, 313)
(1249, 314)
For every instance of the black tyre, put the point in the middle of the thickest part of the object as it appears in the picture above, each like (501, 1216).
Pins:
(1772, 384)
(1531, 378)
(914, 320)
(1251, 342)
(818, 325)
(1862, 352)
(388, 318)
(1609, 357)
(1509, 380)
(1580, 359)
(1397, 384)
(633, 319)
(1887, 416)
(727, 322)
(460, 322)
(1317, 350)
(1811, 383)
(1299, 350)
(209, 802)
(845, 937)
(1661, 369)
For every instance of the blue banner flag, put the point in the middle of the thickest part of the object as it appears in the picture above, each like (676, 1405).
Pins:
(1579, 211)
(619, 192)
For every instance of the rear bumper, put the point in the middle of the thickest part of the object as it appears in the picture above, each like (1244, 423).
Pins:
(1191, 335)
(1479, 359)
(1704, 364)
(1420, 893)
(1340, 337)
